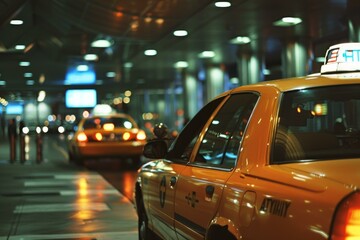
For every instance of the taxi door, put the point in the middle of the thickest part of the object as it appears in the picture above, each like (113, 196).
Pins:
(163, 176)
(200, 185)
(160, 185)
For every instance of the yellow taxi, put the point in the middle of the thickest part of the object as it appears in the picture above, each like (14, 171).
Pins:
(274, 160)
(114, 135)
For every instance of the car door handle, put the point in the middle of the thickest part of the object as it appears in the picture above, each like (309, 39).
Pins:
(209, 192)
(173, 182)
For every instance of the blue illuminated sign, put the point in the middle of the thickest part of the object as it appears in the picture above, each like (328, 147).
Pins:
(80, 98)
(76, 76)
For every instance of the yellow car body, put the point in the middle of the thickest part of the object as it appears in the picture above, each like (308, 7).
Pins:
(278, 175)
(116, 135)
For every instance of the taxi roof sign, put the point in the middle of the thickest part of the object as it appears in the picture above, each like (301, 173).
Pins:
(343, 57)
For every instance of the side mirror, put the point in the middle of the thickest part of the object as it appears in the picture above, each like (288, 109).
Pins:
(155, 149)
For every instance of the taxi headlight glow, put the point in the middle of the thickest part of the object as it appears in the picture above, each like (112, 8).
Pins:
(141, 135)
(81, 137)
(126, 136)
(98, 136)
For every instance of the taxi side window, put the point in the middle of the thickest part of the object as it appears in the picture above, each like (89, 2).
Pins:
(221, 142)
(181, 148)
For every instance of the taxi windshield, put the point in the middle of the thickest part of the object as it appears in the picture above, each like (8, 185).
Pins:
(318, 123)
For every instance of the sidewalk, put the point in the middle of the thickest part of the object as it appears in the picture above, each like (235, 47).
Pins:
(58, 200)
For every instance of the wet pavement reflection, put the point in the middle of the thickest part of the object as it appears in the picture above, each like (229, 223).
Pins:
(57, 199)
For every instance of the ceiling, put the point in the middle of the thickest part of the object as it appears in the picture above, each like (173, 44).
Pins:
(57, 33)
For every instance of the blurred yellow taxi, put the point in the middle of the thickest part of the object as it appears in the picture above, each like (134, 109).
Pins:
(115, 135)
(274, 160)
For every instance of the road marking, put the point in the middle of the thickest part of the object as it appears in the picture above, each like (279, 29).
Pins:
(60, 207)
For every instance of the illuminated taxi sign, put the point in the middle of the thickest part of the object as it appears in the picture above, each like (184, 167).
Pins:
(343, 57)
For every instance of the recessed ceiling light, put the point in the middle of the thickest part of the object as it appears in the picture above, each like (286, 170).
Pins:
(110, 74)
(181, 64)
(90, 57)
(128, 65)
(207, 54)
(16, 22)
(222, 4)
(82, 68)
(24, 64)
(240, 40)
(28, 74)
(150, 52)
(30, 82)
(101, 43)
(2, 83)
(20, 47)
(287, 21)
(180, 33)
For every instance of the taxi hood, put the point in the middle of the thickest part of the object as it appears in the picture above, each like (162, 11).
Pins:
(345, 171)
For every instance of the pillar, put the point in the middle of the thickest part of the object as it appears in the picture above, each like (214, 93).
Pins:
(296, 59)
(250, 68)
(214, 82)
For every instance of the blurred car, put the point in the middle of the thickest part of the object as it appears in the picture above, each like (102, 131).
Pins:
(115, 135)
(274, 160)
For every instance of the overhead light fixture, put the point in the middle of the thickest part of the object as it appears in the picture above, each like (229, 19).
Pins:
(240, 40)
(30, 82)
(101, 43)
(2, 83)
(181, 64)
(206, 54)
(28, 74)
(16, 22)
(91, 57)
(110, 74)
(128, 65)
(150, 52)
(222, 4)
(180, 33)
(24, 64)
(20, 47)
(287, 22)
(82, 68)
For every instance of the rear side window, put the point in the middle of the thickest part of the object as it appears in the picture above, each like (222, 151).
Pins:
(318, 123)
(222, 140)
